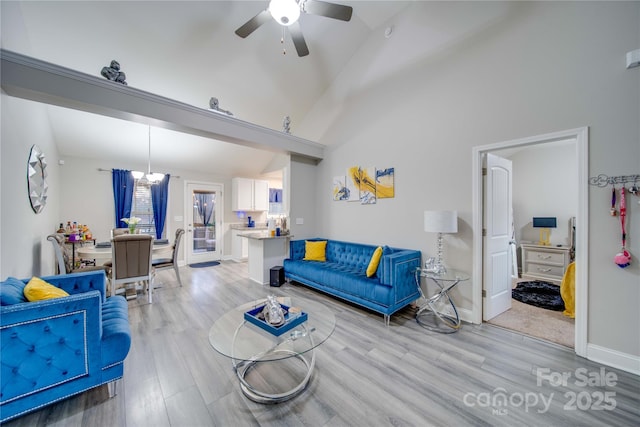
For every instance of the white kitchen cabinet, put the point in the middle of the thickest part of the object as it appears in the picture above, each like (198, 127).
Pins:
(239, 246)
(249, 194)
(260, 195)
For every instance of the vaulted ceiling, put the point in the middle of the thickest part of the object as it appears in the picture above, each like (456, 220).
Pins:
(188, 51)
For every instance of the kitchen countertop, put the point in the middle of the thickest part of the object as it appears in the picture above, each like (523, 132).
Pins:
(263, 236)
(245, 227)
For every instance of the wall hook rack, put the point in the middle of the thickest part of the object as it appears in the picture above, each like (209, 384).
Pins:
(603, 180)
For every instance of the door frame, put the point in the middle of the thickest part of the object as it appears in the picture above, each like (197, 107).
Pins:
(187, 204)
(581, 136)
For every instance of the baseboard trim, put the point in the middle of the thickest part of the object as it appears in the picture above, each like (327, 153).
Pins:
(466, 315)
(613, 358)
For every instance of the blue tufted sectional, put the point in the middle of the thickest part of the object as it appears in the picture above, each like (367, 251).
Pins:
(56, 348)
(344, 274)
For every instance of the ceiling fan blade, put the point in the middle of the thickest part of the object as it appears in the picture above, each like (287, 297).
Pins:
(298, 39)
(330, 10)
(252, 24)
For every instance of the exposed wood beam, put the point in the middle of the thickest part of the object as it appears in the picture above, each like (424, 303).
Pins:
(36, 80)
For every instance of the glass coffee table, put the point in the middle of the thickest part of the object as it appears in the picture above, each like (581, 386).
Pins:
(272, 369)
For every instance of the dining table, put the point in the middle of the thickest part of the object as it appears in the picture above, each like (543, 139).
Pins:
(102, 251)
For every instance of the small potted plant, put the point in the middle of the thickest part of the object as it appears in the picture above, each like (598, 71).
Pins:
(131, 222)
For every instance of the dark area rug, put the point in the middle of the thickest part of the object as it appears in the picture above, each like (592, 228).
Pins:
(540, 294)
(204, 264)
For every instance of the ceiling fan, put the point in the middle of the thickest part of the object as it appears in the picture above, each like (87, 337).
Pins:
(287, 12)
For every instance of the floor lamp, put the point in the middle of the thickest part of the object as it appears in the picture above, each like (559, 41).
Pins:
(440, 222)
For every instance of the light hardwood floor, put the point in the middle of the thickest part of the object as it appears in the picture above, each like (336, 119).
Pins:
(366, 374)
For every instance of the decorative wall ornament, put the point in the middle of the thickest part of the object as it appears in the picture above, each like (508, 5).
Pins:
(214, 105)
(603, 180)
(113, 73)
(37, 179)
(286, 124)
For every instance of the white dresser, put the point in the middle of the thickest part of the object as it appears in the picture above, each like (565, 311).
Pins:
(546, 263)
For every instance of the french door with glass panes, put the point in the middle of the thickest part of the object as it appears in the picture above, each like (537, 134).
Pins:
(203, 205)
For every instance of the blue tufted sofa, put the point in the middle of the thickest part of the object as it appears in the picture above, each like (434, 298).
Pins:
(56, 348)
(344, 274)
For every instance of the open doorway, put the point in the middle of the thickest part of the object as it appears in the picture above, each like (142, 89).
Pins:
(580, 136)
(544, 191)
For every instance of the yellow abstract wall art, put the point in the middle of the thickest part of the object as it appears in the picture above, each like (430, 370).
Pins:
(365, 184)
(340, 190)
(353, 183)
(385, 183)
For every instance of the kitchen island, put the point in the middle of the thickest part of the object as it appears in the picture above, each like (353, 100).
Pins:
(265, 252)
(240, 245)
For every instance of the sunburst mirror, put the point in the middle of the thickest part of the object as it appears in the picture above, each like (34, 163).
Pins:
(37, 179)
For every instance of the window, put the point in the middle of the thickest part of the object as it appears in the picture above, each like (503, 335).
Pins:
(142, 208)
(275, 201)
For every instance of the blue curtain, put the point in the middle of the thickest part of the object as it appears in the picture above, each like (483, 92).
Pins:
(205, 206)
(159, 197)
(122, 181)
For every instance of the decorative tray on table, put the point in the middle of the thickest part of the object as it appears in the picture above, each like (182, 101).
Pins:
(291, 320)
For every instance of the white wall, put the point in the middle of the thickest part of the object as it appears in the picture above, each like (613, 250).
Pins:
(303, 200)
(544, 185)
(548, 67)
(23, 233)
(23, 244)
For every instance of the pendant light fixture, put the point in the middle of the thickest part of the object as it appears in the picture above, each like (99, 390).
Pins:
(151, 177)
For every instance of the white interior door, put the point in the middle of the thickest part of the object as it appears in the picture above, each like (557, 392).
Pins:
(498, 224)
(203, 207)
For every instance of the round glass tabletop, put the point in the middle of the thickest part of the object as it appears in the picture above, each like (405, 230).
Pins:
(450, 275)
(233, 336)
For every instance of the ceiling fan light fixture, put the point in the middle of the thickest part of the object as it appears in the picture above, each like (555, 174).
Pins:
(137, 174)
(285, 12)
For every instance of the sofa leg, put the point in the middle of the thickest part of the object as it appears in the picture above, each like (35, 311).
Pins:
(387, 320)
(111, 386)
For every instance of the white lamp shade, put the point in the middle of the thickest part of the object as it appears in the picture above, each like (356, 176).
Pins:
(137, 174)
(441, 221)
(286, 12)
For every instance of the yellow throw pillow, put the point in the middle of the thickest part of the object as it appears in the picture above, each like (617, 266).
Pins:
(37, 290)
(375, 260)
(315, 251)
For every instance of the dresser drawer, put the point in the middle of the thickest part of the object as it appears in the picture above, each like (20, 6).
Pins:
(551, 271)
(545, 257)
(546, 263)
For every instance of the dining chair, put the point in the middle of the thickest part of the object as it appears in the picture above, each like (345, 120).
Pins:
(165, 263)
(63, 259)
(131, 262)
(119, 232)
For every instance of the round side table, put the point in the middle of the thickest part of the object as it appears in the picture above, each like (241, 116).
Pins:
(439, 314)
